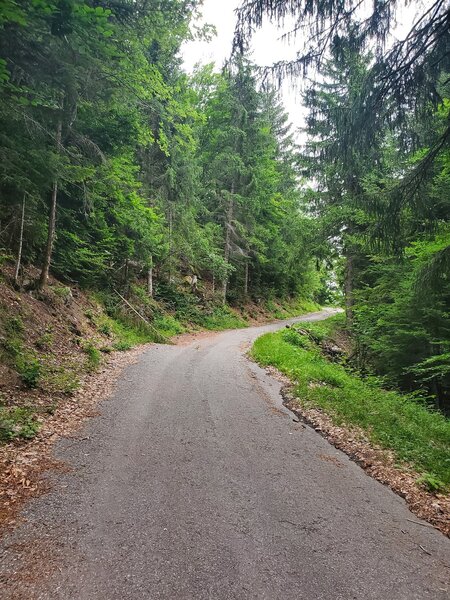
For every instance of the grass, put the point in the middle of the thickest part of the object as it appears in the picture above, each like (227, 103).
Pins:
(221, 318)
(93, 355)
(416, 434)
(174, 312)
(293, 307)
(321, 330)
(168, 325)
(36, 361)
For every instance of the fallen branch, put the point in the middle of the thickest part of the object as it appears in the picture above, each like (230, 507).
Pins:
(424, 550)
(419, 523)
(160, 335)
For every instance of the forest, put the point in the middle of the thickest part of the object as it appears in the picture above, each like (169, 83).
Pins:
(121, 173)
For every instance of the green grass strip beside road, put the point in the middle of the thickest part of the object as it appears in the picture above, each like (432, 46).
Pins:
(417, 435)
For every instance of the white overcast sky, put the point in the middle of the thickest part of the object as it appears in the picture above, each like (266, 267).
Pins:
(267, 47)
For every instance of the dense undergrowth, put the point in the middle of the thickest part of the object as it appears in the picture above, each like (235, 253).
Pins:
(405, 424)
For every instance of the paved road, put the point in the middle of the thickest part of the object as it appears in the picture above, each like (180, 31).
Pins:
(194, 484)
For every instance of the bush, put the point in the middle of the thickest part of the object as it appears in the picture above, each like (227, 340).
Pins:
(29, 368)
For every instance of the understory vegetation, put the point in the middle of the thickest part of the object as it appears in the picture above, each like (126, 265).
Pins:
(405, 424)
(50, 341)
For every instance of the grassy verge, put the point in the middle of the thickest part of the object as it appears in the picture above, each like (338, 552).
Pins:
(221, 318)
(417, 435)
(293, 307)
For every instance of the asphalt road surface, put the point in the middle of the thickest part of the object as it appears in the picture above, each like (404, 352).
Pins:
(194, 483)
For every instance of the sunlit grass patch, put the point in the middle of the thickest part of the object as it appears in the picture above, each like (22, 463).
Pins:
(417, 435)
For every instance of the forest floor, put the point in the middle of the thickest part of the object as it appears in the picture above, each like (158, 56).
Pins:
(194, 481)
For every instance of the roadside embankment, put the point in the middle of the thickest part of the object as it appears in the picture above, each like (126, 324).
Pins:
(397, 438)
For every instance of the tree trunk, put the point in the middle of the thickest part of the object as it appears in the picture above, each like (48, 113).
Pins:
(150, 278)
(19, 249)
(125, 273)
(170, 243)
(227, 250)
(348, 289)
(52, 219)
(246, 279)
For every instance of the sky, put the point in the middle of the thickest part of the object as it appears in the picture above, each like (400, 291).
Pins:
(267, 47)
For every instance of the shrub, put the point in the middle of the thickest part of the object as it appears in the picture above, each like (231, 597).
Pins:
(17, 423)
(29, 368)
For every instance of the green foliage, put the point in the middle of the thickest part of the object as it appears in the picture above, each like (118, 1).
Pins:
(23, 360)
(404, 326)
(122, 346)
(63, 379)
(17, 423)
(105, 328)
(168, 325)
(291, 336)
(326, 329)
(398, 422)
(93, 355)
(384, 225)
(149, 159)
(62, 291)
(222, 318)
(29, 368)
(14, 326)
(193, 188)
(45, 341)
(432, 483)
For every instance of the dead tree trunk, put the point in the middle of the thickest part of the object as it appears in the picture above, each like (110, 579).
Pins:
(19, 249)
(52, 218)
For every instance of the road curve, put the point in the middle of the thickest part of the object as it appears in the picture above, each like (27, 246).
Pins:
(193, 483)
